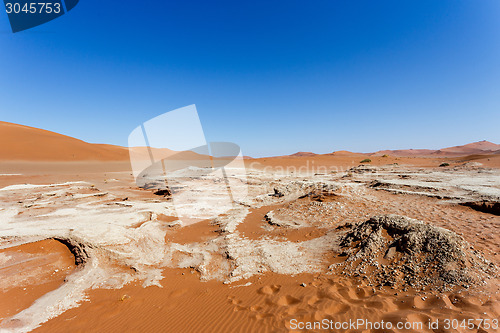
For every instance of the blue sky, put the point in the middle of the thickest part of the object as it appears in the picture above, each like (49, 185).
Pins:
(275, 77)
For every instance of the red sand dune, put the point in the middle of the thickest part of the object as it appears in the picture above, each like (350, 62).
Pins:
(344, 153)
(27, 143)
(404, 152)
(481, 147)
(24, 143)
(303, 153)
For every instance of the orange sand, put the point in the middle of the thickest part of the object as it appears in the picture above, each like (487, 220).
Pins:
(34, 270)
(32, 144)
(271, 301)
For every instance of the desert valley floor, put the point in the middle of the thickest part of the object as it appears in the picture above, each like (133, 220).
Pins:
(84, 249)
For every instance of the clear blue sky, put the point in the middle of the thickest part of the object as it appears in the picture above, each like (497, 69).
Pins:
(275, 77)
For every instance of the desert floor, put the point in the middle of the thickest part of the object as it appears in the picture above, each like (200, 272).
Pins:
(83, 249)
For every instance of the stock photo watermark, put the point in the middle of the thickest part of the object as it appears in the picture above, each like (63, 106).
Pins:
(25, 14)
(416, 326)
(170, 154)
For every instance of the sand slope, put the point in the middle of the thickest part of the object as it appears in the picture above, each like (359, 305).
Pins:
(27, 143)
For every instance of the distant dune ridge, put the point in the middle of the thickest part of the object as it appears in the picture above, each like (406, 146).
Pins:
(303, 153)
(404, 152)
(344, 153)
(24, 143)
(481, 147)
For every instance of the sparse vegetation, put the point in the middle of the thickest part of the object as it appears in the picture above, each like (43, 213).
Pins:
(385, 155)
(444, 164)
(366, 160)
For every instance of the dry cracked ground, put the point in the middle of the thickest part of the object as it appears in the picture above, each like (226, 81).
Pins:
(390, 242)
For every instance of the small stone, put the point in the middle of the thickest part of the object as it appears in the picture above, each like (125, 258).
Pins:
(390, 253)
